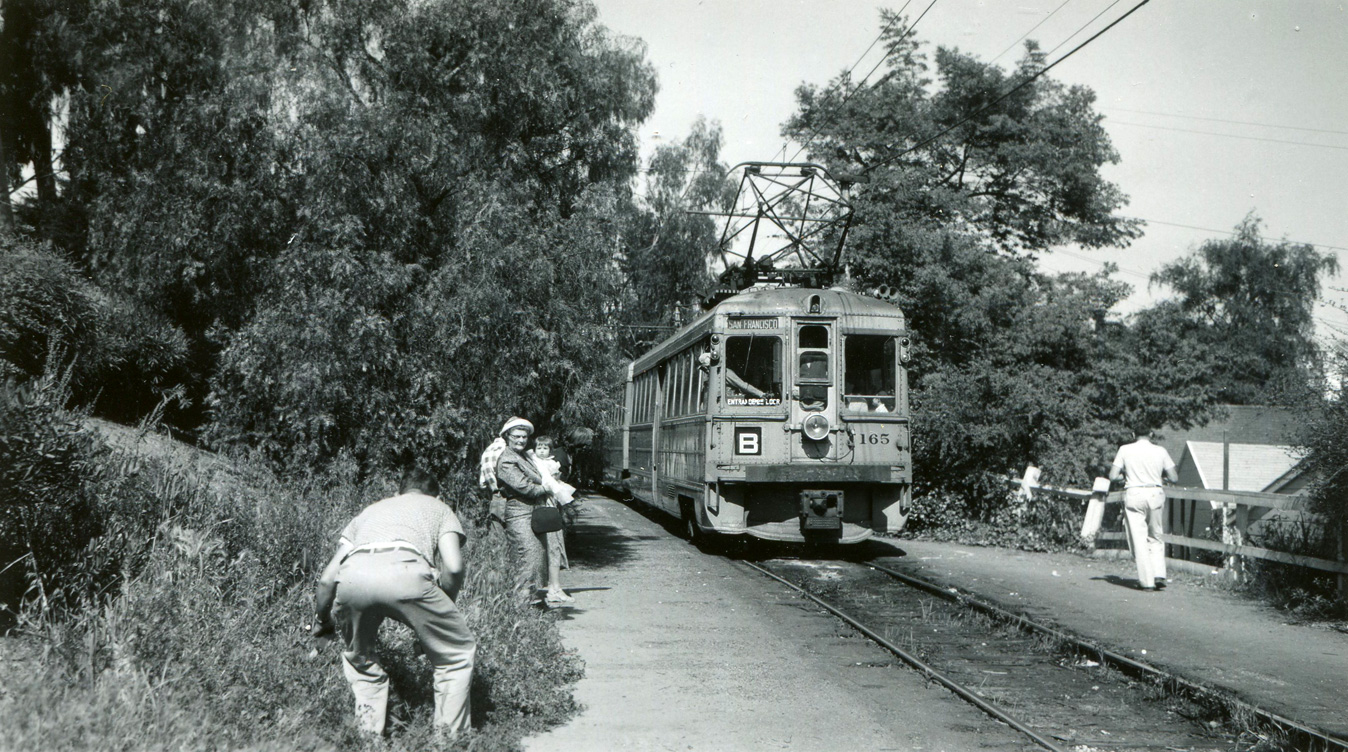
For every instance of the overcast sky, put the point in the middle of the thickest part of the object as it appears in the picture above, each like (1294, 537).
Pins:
(1216, 107)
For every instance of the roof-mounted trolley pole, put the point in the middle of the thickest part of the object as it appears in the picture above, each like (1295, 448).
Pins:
(787, 226)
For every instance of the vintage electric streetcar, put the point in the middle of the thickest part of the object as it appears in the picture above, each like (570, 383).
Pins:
(782, 412)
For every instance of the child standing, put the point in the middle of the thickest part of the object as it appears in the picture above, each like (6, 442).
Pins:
(562, 493)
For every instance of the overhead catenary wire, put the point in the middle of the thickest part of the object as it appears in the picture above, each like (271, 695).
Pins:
(1082, 28)
(1031, 79)
(907, 32)
(1224, 120)
(1229, 135)
(1229, 232)
(848, 72)
(1031, 31)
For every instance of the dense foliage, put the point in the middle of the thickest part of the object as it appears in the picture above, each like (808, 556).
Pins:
(1250, 304)
(355, 211)
(121, 357)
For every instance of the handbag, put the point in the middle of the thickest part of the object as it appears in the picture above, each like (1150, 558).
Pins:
(546, 519)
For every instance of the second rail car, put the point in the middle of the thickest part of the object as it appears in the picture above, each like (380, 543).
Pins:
(781, 413)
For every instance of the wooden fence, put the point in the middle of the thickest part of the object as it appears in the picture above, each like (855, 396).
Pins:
(1190, 510)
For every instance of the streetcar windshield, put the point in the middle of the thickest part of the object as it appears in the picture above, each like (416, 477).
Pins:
(753, 370)
(869, 373)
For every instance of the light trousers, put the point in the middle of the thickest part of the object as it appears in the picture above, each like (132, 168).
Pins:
(401, 585)
(1142, 517)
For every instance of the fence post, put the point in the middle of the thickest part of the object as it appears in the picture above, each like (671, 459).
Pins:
(1343, 557)
(1241, 536)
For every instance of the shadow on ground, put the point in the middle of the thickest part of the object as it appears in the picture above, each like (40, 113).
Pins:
(748, 548)
(595, 544)
(1123, 582)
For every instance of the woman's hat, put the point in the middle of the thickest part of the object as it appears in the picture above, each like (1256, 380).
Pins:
(514, 423)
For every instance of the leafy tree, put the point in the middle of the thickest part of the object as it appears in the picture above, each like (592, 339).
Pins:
(459, 169)
(666, 245)
(1324, 437)
(39, 60)
(970, 172)
(1250, 304)
(314, 192)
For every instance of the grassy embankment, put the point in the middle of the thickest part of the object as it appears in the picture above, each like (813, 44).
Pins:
(205, 568)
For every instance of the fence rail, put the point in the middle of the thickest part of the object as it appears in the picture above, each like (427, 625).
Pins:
(1182, 511)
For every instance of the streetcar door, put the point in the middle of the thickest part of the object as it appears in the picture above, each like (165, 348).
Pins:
(814, 397)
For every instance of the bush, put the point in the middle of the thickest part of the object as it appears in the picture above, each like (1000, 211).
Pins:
(1043, 524)
(49, 468)
(122, 358)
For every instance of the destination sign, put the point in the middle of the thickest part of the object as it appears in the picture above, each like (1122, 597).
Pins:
(754, 401)
(752, 323)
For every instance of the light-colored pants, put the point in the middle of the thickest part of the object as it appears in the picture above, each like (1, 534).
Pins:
(1142, 517)
(401, 585)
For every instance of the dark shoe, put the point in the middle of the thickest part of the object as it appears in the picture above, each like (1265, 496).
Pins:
(1160, 583)
(1146, 589)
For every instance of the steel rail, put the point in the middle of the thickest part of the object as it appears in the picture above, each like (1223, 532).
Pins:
(916, 662)
(1329, 740)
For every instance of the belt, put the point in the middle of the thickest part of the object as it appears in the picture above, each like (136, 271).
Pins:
(1129, 488)
(384, 547)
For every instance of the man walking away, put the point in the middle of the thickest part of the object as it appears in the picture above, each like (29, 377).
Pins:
(385, 566)
(1145, 465)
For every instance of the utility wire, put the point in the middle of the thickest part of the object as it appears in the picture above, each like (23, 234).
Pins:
(1013, 90)
(1082, 28)
(1229, 135)
(1031, 31)
(1229, 232)
(1223, 120)
(814, 132)
(853, 67)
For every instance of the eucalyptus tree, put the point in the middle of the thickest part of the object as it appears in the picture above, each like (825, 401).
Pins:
(667, 237)
(458, 170)
(1250, 302)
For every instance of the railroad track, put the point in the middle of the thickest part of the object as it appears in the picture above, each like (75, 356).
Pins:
(1062, 692)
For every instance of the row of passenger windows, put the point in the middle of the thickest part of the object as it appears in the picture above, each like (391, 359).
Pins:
(754, 375)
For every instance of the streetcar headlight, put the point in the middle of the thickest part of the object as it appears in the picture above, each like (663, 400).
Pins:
(815, 427)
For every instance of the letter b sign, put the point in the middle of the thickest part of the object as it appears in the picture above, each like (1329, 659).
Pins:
(749, 441)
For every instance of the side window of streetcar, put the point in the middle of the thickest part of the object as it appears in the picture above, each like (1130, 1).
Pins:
(869, 373)
(753, 370)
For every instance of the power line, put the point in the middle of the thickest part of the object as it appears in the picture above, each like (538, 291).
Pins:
(1013, 90)
(1031, 31)
(1224, 120)
(907, 32)
(1229, 135)
(1082, 28)
(1229, 232)
(853, 67)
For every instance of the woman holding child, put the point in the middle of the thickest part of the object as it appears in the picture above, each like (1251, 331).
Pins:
(525, 485)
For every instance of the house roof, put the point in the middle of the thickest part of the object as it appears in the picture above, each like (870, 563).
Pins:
(1241, 424)
(1254, 467)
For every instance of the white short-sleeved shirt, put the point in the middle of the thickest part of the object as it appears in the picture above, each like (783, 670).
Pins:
(414, 518)
(1143, 463)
